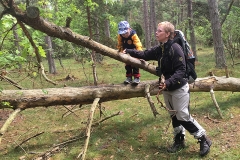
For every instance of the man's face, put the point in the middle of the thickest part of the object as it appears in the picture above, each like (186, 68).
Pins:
(161, 35)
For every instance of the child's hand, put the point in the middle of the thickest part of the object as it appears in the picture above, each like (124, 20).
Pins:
(124, 51)
(142, 60)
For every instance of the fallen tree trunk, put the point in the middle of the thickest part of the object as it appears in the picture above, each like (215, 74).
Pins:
(72, 95)
(67, 34)
(86, 95)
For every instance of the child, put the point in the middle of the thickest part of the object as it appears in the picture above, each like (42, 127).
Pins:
(128, 39)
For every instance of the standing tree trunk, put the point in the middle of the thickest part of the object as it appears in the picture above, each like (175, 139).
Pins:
(51, 63)
(16, 43)
(191, 28)
(93, 54)
(181, 15)
(217, 34)
(153, 23)
(126, 15)
(99, 57)
(16, 39)
(107, 28)
(146, 26)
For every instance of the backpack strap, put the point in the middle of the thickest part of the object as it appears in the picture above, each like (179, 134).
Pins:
(169, 54)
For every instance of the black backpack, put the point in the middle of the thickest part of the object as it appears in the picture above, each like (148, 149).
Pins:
(179, 38)
(189, 56)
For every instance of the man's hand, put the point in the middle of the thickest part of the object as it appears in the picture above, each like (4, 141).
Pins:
(162, 86)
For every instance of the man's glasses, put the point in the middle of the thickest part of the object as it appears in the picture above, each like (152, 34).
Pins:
(159, 31)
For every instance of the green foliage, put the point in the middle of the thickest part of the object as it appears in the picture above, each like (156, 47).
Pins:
(90, 4)
(137, 27)
(5, 104)
(11, 61)
(204, 35)
(44, 91)
(231, 30)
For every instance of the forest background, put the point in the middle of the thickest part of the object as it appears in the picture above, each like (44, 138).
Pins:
(73, 65)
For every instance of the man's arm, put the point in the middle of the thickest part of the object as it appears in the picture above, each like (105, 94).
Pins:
(150, 54)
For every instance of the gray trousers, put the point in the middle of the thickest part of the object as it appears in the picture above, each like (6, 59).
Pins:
(177, 102)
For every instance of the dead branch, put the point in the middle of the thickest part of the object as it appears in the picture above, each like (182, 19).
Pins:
(106, 118)
(175, 112)
(227, 13)
(56, 148)
(215, 121)
(150, 101)
(70, 111)
(69, 141)
(9, 80)
(6, 35)
(49, 153)
(93, 54)
(88, 131)
(20, 147)
(215, 102)
(38, 134)
(226, 72)
(8, 122)
(100, 110)
(39, 60)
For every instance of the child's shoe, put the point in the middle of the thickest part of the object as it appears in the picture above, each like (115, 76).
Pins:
(136, 80)
(128, 80)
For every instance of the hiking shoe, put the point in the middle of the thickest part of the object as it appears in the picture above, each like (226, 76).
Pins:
(136, 80)
(178, 144)
(205, 145)
(128, 80)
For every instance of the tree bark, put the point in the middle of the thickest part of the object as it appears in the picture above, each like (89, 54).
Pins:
(217, 34)
(146, 24)
(153, 23)
(86, 95)
(191, 28)
(51, 62)
(16, 40)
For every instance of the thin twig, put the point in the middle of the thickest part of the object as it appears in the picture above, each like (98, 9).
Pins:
(47, 154)
(38, 56)
(20, 147)
(11, 81)
(150, 101)
(70, 110)
(100, 110)
(38, 134)
(88, 131)
(175, 112)
(215, 102)
(215, 121)
(69, 141)
(106, 118)
(9, 121)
